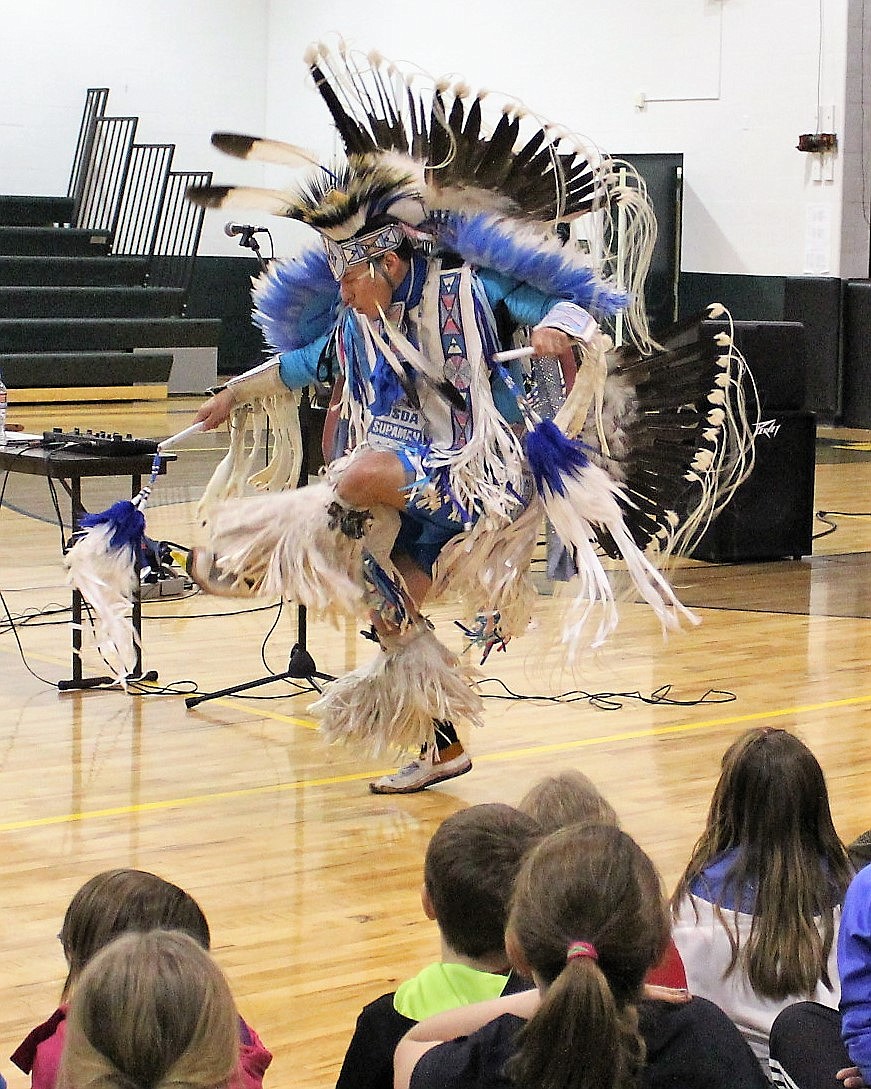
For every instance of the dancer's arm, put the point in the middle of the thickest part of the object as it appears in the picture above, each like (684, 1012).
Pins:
(450, 1024)
(290, 370)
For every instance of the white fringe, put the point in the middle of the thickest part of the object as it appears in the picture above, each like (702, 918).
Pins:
(106, 579)
(390, 703)
(283, 545)
(587, 390)
(237, 468)
(488, 569)
(226, 481)
(590, 499)
(283, 468)
(635, 234)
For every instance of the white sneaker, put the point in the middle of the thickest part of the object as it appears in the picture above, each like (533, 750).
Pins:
(424, 771)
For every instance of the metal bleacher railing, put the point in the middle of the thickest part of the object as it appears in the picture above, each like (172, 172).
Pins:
(129, 191)
(95, 106)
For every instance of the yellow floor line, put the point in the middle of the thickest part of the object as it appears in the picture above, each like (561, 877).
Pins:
(659, 731)
(261, 712)
(496, 757)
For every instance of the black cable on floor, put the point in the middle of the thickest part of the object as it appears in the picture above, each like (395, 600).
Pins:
(610, 701)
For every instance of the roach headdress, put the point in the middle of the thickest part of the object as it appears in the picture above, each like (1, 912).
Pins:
(432, 161)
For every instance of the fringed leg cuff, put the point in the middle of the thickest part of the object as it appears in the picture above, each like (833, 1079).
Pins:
(390, 703)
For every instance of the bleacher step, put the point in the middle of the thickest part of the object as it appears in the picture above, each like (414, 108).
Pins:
(34, 211)
(106, 334)
(47, 370)
(87, 302)
(40, 271)
(54, 241)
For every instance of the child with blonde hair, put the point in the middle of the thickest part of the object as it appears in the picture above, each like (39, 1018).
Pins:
(151, 1011)
(110, 904)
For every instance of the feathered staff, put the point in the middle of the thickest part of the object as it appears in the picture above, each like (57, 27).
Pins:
(102, 566)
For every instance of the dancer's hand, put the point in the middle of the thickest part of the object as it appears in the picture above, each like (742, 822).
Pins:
(851, 1077)
(216, 410)
(547, 341)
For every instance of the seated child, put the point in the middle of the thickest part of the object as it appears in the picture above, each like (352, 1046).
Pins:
(173, 1021)
(757, 910)
(111, 904)
(573, 798)
(587, 920)
(469, 871)
(567, 798)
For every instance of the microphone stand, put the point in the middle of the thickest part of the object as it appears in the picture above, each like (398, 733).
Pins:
(301, 665)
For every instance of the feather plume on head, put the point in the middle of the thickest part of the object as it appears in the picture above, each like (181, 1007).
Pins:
(424, 154)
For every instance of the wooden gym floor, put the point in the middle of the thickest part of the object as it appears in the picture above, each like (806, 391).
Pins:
(310, 883)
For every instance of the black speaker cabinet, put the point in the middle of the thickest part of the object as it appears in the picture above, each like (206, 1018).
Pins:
(771, 515)
(817, 302)
(857, 359)
(776, 355)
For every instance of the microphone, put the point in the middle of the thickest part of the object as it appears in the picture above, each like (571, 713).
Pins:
(231, 230)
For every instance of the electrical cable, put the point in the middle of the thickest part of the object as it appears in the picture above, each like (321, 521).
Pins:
(827, 516)
(610, 701)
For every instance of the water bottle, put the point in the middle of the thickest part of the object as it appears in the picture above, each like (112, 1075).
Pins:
(3, 400)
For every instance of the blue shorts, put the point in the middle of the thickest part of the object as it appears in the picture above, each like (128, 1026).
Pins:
(424, 533)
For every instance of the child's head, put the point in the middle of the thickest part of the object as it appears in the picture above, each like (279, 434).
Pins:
(151, 1010)
(118, 901)
(587, 921)
(568, 798)
(771, 794)
(469, 871)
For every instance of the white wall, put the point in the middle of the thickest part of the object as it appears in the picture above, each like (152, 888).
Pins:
(180, 66)
(730, 83)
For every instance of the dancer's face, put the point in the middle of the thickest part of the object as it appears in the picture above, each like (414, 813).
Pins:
(368, 288)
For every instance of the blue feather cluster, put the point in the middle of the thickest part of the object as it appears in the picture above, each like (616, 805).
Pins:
(494, 242)
(296, 301)
(126, 522)
(553, 457)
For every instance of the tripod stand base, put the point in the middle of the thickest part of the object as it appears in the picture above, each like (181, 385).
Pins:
(300, 667)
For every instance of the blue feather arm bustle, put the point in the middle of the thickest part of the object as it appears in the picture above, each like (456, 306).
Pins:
(296, 301)
(494, 242)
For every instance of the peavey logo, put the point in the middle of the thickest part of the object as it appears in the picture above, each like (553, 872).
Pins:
(769, 428)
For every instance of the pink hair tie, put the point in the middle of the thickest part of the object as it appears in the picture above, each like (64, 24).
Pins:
(581, 949)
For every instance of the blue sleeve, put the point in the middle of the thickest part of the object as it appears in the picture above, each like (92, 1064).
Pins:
(299, 367)
(854, 967)
(526, 305)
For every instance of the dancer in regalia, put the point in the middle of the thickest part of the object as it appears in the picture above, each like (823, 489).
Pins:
(437, 244)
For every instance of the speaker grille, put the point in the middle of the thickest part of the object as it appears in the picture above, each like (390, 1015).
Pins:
(771, 515)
